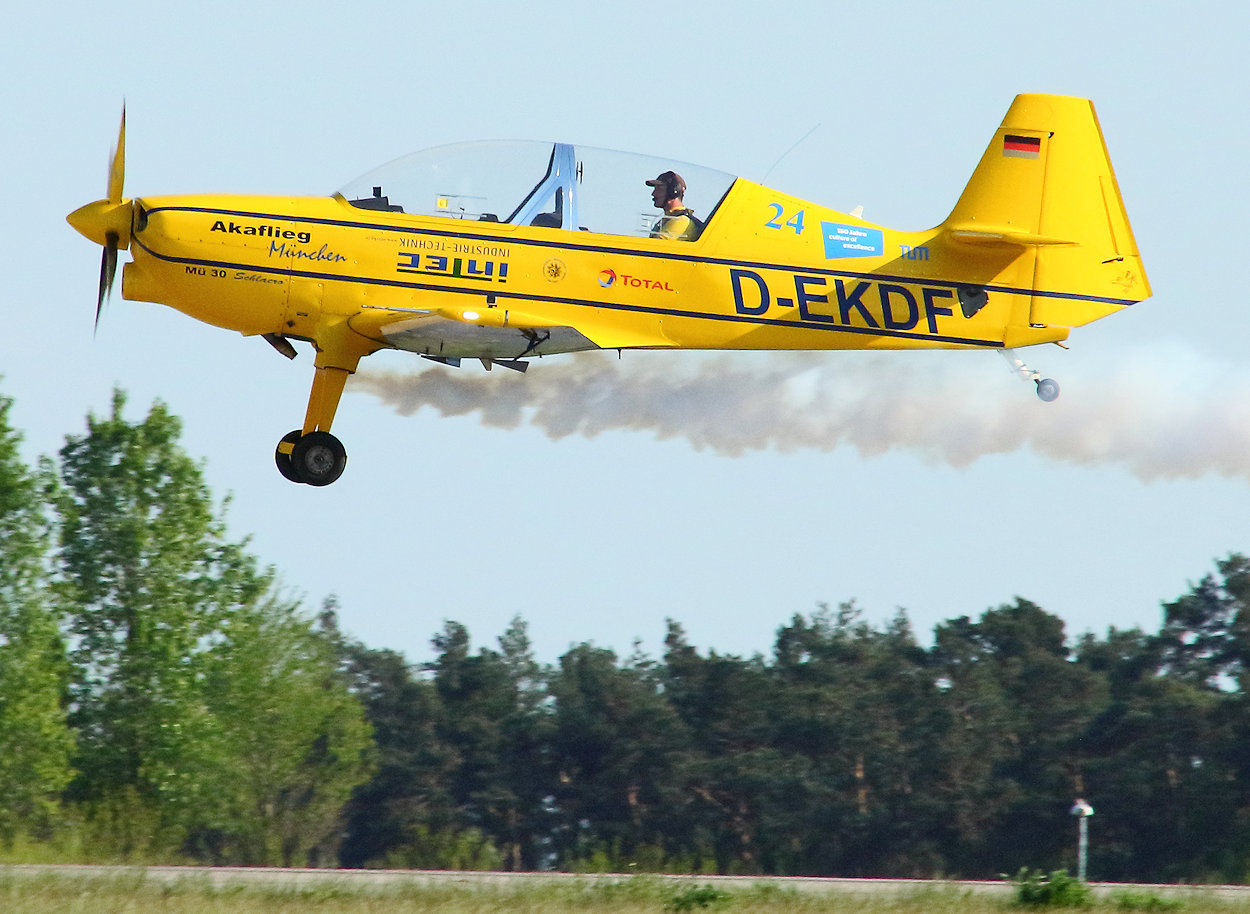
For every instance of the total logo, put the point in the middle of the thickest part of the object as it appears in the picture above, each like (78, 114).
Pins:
(609, 278)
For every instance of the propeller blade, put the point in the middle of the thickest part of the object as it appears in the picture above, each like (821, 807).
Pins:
(108, 260)
(117, 165)
(107, 222)
(108, 269)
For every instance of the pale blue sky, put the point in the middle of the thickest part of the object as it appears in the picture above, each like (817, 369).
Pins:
(1097, 507)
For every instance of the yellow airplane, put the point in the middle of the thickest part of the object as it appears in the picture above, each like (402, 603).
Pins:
(504, 252)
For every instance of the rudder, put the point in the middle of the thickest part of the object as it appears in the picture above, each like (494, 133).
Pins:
(1046, 183)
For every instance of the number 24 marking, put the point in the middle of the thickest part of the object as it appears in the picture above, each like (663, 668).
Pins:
(795, 223)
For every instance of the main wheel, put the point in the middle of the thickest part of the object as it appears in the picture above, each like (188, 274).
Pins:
(318, 458)
(1048, 389)
(282, 455)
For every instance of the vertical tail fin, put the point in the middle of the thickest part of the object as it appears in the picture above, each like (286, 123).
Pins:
(1046, 184)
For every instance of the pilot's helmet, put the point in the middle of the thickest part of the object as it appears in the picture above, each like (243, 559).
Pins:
(673, 181)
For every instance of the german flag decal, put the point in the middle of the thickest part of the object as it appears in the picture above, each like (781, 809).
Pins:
(1022, 147)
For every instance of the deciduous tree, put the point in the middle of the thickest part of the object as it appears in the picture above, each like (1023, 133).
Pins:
(206, 705)
(284, 742)
(34, 740)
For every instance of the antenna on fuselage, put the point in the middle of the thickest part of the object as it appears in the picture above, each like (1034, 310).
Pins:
(781, 157)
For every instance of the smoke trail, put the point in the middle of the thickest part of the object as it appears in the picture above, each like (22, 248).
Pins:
(1169, 415)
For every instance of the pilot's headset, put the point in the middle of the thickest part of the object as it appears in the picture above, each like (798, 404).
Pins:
(674, 185)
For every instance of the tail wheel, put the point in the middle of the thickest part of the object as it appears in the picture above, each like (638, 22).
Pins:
(317, 459)
(1048, 390)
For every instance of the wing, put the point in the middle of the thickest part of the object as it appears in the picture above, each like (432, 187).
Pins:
(503, 333)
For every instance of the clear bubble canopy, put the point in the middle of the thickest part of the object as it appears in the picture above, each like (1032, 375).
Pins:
(518, 182)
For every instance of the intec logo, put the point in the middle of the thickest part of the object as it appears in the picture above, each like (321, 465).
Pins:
(607, 278)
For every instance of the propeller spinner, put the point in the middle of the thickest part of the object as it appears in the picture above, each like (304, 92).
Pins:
(107, 221)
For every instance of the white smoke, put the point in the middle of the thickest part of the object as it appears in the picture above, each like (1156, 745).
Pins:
(1163, 416)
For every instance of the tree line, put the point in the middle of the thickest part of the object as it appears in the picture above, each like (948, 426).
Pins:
(162, 698)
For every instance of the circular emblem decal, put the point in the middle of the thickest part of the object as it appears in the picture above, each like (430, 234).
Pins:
(606, 278)
(554, 269)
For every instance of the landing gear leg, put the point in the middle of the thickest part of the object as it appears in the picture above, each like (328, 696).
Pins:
(311, 455)
(1047, 388)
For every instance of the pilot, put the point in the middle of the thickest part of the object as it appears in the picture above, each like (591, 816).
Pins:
(678, 222)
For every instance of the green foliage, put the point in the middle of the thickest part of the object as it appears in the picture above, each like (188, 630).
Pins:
(1034, 889)
(698, 898)
(493, 719)
(601, 857)
(34, 742)
(145, 577)
(617, 744)
(409, 799)
(423, 849)
(211, 717)
(1144, 901)
(22, 534)
(282, 742)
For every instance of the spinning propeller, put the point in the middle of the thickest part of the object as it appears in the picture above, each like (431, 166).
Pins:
(107, 221)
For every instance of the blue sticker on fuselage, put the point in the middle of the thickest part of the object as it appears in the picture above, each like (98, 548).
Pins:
(851, 241)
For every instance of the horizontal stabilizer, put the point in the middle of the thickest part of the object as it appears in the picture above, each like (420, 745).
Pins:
(982, 234)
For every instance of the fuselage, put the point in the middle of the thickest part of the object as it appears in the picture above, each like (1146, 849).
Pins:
(768, 272)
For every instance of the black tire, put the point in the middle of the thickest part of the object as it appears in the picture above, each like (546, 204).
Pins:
(318, 459)
(283, 460)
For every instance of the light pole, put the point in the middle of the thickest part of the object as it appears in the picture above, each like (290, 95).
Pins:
(1082, 811)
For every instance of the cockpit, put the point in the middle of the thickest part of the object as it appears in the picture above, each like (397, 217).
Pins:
(556, 186)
